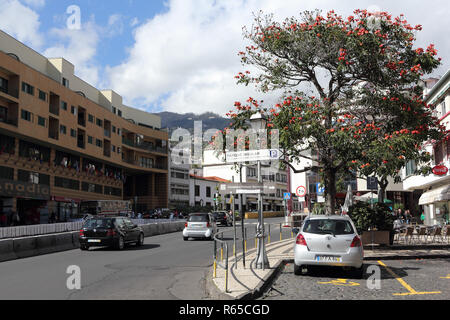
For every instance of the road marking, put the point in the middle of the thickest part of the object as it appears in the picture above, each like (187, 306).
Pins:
(341, 282)
(404, 284)
(447, 277)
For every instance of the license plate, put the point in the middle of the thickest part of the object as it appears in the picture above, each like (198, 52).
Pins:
(328, 259)
(94, 240)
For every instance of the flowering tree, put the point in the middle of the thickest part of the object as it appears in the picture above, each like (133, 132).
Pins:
(366, 113)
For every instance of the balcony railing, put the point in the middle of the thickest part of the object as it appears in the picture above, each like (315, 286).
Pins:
(11, 92)
(144, 146)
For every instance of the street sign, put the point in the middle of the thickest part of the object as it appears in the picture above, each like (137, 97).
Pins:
(287, 196)
(253, 155)
(301, 191)
(320, 189)
(440, 170)
(248, 188)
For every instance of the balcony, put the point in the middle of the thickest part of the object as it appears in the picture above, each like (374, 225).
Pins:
(144, 146)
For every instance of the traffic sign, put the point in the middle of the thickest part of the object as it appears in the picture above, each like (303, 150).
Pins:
(253, 155)
(287, 196)
(320, 189)
(301, 191)
(247, 188)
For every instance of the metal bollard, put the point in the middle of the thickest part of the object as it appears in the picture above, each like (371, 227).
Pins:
(215, 259)
(281, 233)
(268, 239)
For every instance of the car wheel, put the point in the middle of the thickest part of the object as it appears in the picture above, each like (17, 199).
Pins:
(84, 247)
(140, 241)
(185, 238)
(358, 273)
(120, 243)
(297, 270)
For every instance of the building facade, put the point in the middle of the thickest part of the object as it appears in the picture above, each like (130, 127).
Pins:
(432, 192)
(63, 141)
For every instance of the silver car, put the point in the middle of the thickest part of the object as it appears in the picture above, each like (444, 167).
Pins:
(328, 241)
(200, 225)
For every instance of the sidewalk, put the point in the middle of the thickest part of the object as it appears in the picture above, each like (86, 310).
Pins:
(249, 283)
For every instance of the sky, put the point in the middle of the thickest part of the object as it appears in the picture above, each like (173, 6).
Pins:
(180, 55)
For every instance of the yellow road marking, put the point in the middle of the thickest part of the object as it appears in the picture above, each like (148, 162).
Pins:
(341, 282)
(447, 277)
(404, 284)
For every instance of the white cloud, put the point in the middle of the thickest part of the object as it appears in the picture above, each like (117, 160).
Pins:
(186, 59)
(80, 48)
(35, 3)
(21, 22)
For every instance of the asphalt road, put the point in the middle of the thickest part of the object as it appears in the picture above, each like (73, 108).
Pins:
(166, 267)
(427, 279)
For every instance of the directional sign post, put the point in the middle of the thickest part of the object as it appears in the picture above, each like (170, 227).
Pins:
(253, 155)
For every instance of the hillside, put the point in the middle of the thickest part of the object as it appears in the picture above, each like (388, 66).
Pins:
(210, 120)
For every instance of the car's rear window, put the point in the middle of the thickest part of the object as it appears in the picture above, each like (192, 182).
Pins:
(98, 223)
(328, 226)
(199, 218)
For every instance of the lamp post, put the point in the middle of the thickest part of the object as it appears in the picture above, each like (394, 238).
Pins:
(258, 122)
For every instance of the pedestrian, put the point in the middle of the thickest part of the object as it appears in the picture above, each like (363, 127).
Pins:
(422, 217)
(15, 219)
(408, 216)
(3, 219)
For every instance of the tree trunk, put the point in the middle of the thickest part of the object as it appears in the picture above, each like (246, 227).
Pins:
(383, 185)
(330, 191)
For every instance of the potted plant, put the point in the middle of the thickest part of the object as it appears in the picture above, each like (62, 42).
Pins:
(374, 223)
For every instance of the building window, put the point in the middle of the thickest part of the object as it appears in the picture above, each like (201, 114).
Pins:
(3, 85)
(90, 140)
(65, 82)
(42, 95)
(26, 115)
(41, 121)
(33, 177)
(410, 168)
(197, 191)
(27, 88)
(113, 110)
(113, 129)
(62, 129)
(91, 118)
(119, 113)
(64, 105)
(73, 110)
(73, 133)
(113, 148)
(99, 122)
(6, 173)
(438, 154)
(67, 183)
(443, 108)
(91, 187)
(98, 143)
(146, 162)
(208, 192)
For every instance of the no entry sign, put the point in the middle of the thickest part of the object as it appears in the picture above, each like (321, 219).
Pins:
(301, 191)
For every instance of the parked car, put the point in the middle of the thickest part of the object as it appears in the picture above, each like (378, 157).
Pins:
(110, 231)
(200, 225)
(328, 241)
(223, 218)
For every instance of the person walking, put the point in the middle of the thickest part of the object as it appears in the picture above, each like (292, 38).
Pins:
(3, 219)
(15, 219)
(408, 216)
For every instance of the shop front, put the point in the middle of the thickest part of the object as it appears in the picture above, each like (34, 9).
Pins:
(28, 199)
(62, 209)
(436, 204)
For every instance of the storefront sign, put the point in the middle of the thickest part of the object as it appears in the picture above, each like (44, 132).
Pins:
(440, 170)
(23, 189)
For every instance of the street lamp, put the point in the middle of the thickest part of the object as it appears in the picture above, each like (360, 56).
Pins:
(258, 122)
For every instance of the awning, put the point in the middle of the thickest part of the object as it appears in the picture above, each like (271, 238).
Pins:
(435, 195)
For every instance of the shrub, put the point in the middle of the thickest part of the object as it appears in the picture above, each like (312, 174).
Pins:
(365, 217)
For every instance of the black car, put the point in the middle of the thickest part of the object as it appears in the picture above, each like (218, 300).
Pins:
(222, 218)
(110, 232)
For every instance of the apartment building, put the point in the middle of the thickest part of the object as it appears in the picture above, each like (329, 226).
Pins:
(432, 192)
(63, 141)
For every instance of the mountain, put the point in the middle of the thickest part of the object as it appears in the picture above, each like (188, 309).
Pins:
(174, 121)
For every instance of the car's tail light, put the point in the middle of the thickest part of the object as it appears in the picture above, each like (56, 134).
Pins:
(207, 224)
(111, 232)
(301, 240)
(81, 233)
(186, 225)
(356, 242)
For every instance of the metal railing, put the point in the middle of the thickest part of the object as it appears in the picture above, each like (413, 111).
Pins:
(42, 229)
(221, 246)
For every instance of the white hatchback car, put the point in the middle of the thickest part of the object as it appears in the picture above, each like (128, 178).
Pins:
(328, 241)
(200, 225)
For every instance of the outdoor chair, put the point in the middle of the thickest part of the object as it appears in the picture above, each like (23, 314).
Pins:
(422, 233)
(436, 233)
(409, 233)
